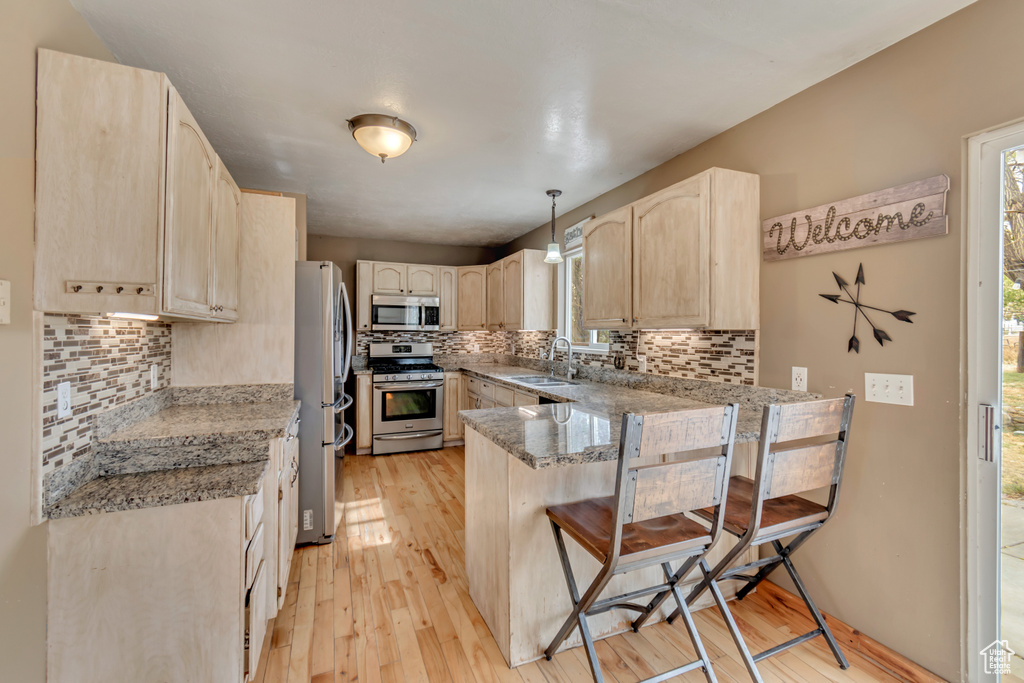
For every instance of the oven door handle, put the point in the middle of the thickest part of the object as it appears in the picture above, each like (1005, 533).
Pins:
(408, 385)
(403, 437)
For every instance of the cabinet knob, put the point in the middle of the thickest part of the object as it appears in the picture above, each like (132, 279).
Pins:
(623, 320)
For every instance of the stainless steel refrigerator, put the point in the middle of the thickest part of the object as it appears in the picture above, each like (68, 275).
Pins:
(323, 354)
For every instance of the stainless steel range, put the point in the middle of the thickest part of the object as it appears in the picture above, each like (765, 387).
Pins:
(408, 398)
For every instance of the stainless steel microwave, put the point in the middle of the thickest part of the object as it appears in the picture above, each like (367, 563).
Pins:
(405, 312)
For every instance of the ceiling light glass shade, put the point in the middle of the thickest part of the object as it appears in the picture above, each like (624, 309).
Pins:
(553, 255)
(382, 136)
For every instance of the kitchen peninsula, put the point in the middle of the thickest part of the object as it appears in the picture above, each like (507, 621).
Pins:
(521, 460)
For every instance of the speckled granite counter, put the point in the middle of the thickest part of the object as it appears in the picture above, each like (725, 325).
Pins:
(184, 448)
(584, 425)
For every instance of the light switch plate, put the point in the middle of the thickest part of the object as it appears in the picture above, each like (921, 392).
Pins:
(641, 360)
(799, 379)
(63, 400)
(895, 389)
(154, 377)
(5, 302)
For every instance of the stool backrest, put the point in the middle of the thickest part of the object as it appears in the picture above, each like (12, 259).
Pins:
(802, 448)
(651, 490)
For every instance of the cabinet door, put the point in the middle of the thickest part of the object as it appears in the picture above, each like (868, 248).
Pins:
(495, 297)
(188, 227)
(293, 512)
(525, 399)
(364, 412)
(256, 622)
(364, 294)
(607, 271)
(99, 205)
(227, 231)
(452, 395)
(512, 278)
(671, 254)
(449, 298)
(472, 298)
(389, 278)
(423, 281)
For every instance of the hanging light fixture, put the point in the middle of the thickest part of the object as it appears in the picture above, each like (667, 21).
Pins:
(554, 253)
(381, 135)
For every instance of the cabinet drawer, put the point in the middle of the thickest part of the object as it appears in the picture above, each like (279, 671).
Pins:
(255, 622)
(253, 512)
(525, 399)
(504, 396)
(486, 389)
(254, 555)
(473, 385)
(486, 403)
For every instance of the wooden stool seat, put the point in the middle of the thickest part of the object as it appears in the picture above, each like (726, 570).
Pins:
(592, 522)
(778, 514)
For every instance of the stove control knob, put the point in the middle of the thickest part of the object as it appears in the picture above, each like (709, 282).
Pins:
(424, 376)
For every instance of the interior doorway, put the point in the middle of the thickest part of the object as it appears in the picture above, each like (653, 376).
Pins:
(994, 646)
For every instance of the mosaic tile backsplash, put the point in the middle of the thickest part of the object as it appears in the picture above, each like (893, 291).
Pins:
(107, 362)
(717, 355)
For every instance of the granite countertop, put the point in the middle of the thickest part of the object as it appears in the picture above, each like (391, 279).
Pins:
(180, 452)
(161, 487)
(584, 425)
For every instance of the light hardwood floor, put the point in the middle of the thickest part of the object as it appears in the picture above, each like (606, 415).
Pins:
(388, 601)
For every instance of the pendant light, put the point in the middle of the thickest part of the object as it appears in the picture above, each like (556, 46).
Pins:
(381, 135)
(554, 254)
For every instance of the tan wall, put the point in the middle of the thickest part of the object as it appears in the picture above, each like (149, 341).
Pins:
(346, 251)
(25, 26)
(890, 563)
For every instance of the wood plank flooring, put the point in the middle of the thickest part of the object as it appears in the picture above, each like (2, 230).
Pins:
(388, 601)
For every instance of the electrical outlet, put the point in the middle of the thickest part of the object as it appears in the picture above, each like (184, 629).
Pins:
(476, 348)
(641, 360)
(307, 520)
(895, 389)
(799, 379)
(154, 377)
(5, 302)
(63, 400)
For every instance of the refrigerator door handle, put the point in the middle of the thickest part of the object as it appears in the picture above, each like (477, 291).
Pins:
(344, 401)
(348, 332)
(346, 435)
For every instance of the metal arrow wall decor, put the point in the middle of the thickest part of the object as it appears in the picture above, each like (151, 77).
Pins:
(859, 310)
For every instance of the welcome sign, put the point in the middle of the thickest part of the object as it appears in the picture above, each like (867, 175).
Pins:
(906, 212)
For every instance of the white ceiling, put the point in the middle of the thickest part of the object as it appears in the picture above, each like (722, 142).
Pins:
(509, 98)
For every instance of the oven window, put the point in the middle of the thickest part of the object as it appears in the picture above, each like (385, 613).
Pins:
(396, 315)
(413, 404)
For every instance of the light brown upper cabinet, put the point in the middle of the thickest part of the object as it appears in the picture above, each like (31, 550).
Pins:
(449, 279)
(607, 271)
(129, 225)
(424, 281)
(390, 278)
(527, 291)
(402, 279)
(364, 294)
(686, 256)
(188, 222)
(472, 298)
(495, 296)
(227, 233)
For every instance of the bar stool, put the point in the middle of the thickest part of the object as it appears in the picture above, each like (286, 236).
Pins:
(643, 523)
(813, 437)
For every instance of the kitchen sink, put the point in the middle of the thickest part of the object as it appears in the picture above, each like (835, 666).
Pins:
(542, 381)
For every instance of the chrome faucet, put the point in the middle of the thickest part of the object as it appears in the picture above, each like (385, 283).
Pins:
(571, 372)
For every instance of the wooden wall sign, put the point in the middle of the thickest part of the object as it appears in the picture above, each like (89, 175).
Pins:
(905, 212)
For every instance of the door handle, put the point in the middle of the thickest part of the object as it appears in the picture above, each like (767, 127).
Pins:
(988, 428)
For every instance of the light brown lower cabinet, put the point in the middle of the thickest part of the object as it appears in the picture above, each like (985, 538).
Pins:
(452, 393)
(178, 592)
(364, 414)
(480, 394)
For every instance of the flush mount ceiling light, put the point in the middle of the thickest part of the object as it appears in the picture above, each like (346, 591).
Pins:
(381, 135)
(554, 255)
